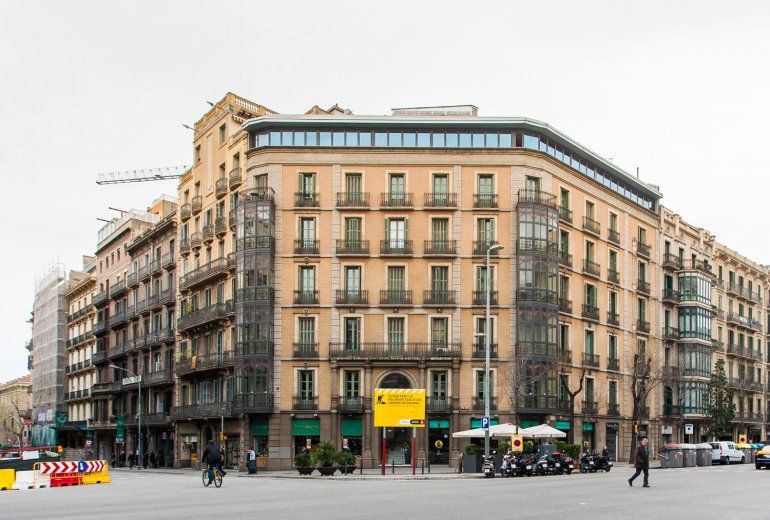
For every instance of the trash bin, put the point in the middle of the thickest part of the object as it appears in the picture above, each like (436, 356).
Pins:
(689, 454)
(703, 454)
(671, 456)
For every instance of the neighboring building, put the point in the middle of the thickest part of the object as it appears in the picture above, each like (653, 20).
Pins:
(81, 344)
(207, 355)
(15, 411)
(114, 408)
(49, 356)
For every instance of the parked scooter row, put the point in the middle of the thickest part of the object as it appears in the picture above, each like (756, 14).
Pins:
(556, 463)
(593, 462)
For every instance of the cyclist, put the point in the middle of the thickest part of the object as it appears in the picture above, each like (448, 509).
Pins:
(213, 457)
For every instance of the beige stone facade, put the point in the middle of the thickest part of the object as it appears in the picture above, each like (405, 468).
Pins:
(15, 410)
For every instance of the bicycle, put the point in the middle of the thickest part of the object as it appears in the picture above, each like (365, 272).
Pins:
(217, 477)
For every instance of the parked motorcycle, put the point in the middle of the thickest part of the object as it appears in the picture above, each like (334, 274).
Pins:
(542, 466)
(603, 463)
(567, 463)
(525, 465)
(508, 466)
(489, 466)
(588, 463)
(554, 463)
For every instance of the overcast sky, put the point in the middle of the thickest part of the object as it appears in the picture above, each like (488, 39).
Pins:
(678, 89)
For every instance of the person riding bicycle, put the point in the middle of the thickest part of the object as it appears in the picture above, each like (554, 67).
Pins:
(213, 457)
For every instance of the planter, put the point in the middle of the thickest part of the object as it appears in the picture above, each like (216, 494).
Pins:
(472, 463)
(347, 470)
(327, 471)
(305, 470)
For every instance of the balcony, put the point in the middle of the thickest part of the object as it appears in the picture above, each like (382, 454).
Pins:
(565, 356)
(396, 297)
(202, 411)
(196, 318)
(352, 247)
(352, 199)
(217, 267)
(613, 364)
(352, 297)
(99, 357)
(205, 362)
(132, 279)
(439, 297)
(613, 409)
(717, 345)
(157, 337)
(613, 236)
(156, 418)
(220, 227)
(590, 408)
(531, 294)
(642, 327)
(538, 197)
(77, 394)
(184, 246)
(671, 373)
(590, 312)
(235, 178)
(393, 247)
(699, 265)
(352, 404)
(480, 350)
(77, 367)
(167, 296)
(670, 333)
(442, 404)
(306, 297)
(750, 417)
(157, 378)
(743, 321)
(118, 319)
(565, 259)
(185, 212)
(592, 226)
(220, 188)
(118, 288)
(643, 249)
(232, 219)
(479, 403)
(613, 318)
(590, 360)
(306, 200)
(591, 268)
(307, 247)
(565, 214)
(485, 200)
(196, 240)
(197, 204)
(671, 262)
(106, 387)
(744, 292)
(538, 404)
(253, 403)
(405, 351)
(208, 233)
(305, 350)
(305, 403)
(480, 247)
(440, 200)
(396, 200)
(613, 276)
(100, 326)
(643, 287)
(116, 351)
(100, 298)
(670, 296)
(78, 340)
(744, 352)
(440, 248)
(479, 298)
(565, 305)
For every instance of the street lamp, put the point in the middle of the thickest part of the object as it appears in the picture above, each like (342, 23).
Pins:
(139, 414)
(487, 345)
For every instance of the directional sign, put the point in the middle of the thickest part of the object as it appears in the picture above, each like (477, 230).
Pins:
(82, 466)
(53, 468)
(485, 422)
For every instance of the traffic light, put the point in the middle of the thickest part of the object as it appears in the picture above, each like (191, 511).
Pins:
(636, 426)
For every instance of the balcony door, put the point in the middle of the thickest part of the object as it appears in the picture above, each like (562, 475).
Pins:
(396, 233)
(396, 336)
(353, 282)
(353, 333)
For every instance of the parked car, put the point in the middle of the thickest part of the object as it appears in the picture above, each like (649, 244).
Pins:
(762, 459)
(725, 452)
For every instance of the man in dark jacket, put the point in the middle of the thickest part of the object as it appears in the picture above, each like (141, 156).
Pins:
(213, 457)
(642, 463)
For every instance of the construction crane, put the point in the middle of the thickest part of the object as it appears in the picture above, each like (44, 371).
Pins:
(147, 174)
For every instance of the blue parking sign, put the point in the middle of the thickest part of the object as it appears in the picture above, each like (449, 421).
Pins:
(485, 423)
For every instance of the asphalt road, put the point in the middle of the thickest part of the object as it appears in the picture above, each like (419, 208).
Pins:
(702, 493)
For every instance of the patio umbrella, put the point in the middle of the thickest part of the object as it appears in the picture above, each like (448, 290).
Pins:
(497, 430)
(542, 431)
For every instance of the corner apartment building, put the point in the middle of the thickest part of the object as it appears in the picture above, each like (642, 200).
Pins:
(81, 344)
(359, 263)
(15, 410)
(207, 354)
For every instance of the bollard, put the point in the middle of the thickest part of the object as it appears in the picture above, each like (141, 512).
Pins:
(428, 466)
(361, 468)
(422, 467)
(393, 467)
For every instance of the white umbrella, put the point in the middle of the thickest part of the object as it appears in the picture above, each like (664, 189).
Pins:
(542, 431)
(497, 430)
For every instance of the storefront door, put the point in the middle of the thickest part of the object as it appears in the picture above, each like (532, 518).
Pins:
(438, 441)
(399, 445)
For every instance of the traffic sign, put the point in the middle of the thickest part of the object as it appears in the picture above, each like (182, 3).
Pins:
(439, 444)
(688, 429)
(82, 466)
(485, 422)
(517, 443)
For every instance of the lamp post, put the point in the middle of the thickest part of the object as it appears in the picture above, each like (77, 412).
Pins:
(487, 342)
(139, 412)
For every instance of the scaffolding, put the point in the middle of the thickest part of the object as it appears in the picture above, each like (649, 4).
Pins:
(49, 333)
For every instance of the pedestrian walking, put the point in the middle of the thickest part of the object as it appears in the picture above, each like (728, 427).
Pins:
(642, 463)
(252, 462)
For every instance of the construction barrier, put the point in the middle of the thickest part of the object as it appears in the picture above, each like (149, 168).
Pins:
(97, 472)
(7, 478)
(24, 480)
(62, 474)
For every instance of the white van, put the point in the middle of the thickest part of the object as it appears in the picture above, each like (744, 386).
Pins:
(725, 452)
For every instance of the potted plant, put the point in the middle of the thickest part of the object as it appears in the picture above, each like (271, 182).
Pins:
(346, 462)
(471, 462)
(304, 463)
(324, 458)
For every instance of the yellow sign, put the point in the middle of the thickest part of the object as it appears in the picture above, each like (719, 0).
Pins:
(439, 444)
(742, 439)
(517, 443)
(399, 408)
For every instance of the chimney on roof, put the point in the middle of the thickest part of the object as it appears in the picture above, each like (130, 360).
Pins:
(443, 110)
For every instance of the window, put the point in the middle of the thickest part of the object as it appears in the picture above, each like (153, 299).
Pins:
(613, 222)
(612, 398)
(222, 135)
(589, 342)
(564, 287)
(353, 183)
(589, 389)
(590, 296)
(353, 230)
(532, 184)
(485, 184)
(642, 271)
(613, 261)
(396, 233)
(307, 229)
(481, 328)
(352, 384)
(564, 199)
(306, 385)
(480, 379)
(307, 279)
(642, 309)
(396, 332)
(612, 347)
(612, 302)
(307, 184)
(353, 281)
(197, 154)
(485, 231)
(353, 333)
(396, 187)
(439, 278)
(396, 278)
(440, 185)
(564, 243)
(590, 248)
(481, 278)
(440, 231)
(563, 337)
(590, 210)
(438, 385)
(439, 331)
(642, 235)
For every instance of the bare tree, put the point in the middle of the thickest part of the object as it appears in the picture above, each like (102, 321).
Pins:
(572, 394)
(646, 376)
(524, 379)
(17, 417)
(742, 385)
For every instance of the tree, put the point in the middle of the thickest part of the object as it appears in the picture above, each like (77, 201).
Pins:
(721, 409)
(16, 427)
(646, 376)
(571, 396)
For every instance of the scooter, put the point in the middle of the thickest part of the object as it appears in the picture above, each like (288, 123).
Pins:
(567, 463)
(525, 466)
(554, 463)
(489, 466)
(588, 463)
(604, 464)
(508, 466)
(542, 467)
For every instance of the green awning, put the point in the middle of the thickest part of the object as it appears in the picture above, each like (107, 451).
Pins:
(563, 425)
(438, 424)
(529, 424)
(352, 427)
(306, 427)
(476, 423)
(588, 427)
(259, 427)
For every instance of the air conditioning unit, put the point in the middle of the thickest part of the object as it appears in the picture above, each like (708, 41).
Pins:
(158, 366)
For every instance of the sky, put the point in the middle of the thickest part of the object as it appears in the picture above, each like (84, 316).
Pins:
(677, 89)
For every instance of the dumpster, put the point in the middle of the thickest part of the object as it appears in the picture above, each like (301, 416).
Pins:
(703, 455)
(671, 456)
(689, 454)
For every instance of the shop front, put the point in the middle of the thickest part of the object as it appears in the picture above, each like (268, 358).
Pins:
(589, 437)
(259, 433)
(438, 441)
(611, 439)
(352, 432)
(306, 434)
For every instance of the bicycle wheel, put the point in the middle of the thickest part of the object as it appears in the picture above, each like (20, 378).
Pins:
(206, 478)
(217, 479)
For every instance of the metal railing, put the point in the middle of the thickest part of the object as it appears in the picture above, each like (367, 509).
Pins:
(395, 247)
(439, 297)
(591, 268)
(480, 297)
(485, 200)
(480, 247)
(352, 247)
(395, 297)
(613, 235)
(643, 326)
(306, 199)
(440, 200)
(590, 360)
(592, 226)
(565, 214)
(590, 312)
(306, 297)
(480, 350)
(305, 350)
(352, 199)
(643, 249)
(197, 204)
(396, 200)
(613, 318)
(235, 178)
(307, 246)
(396, 350)
(203, 362)
(643, 286)
(440, 247)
